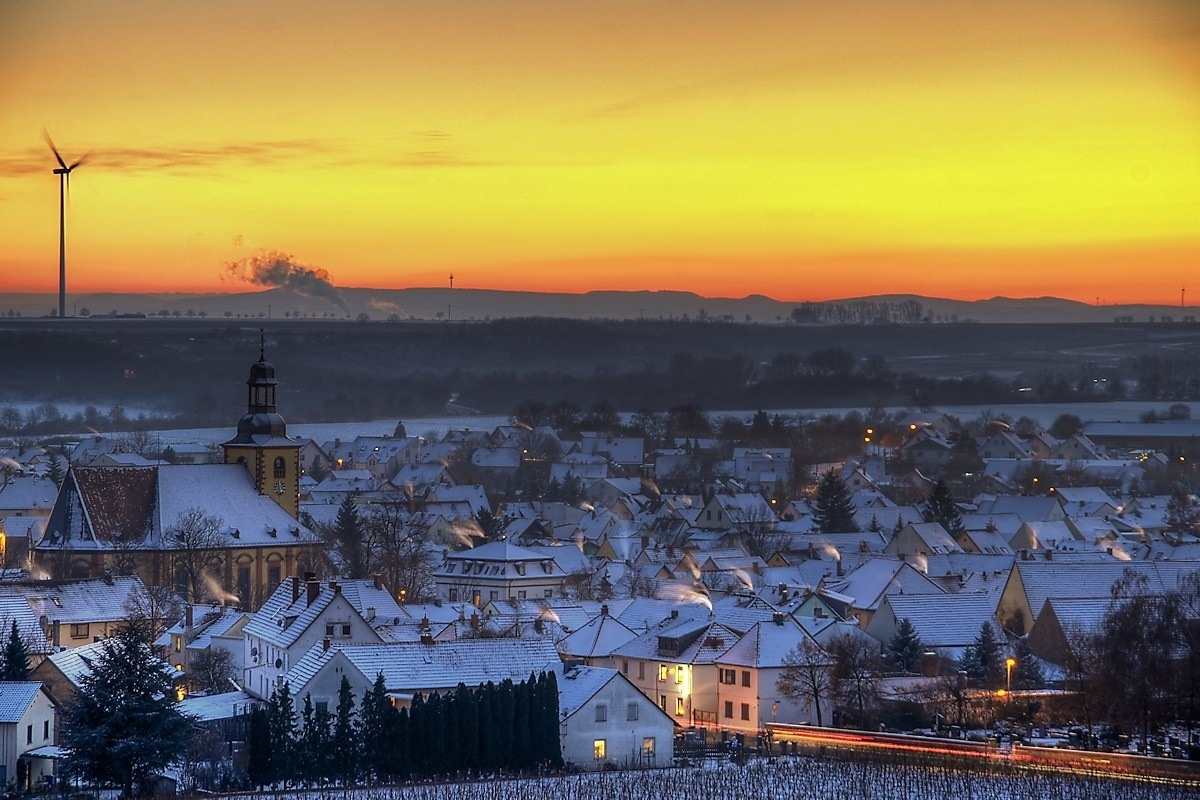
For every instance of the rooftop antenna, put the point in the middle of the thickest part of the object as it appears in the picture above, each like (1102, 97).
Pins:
(64, 188)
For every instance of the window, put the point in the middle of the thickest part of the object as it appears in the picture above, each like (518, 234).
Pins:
(648, 747)
(625, 666)
(178, 643)
(453, 595)
(549, 593)
(662, 672)
(521, 595)
(28, 734)
(45, 730)
(273, 576)
(322, 706)
(631, 712)
(745, 711)
(600, 749)
(679, 674)
(642, 670)
(662, 702)
(280, 467)
(679, 707)
(746, 678)
(79, 631)
(601, 713)
(728, 676)
(494, 595)
(728, 709)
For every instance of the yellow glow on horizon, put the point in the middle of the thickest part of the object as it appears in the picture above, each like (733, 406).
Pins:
(802, 151)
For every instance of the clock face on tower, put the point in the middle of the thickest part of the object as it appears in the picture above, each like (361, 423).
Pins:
(279, 487)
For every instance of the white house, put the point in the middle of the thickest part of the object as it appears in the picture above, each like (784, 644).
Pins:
(28, 720)
(606, 721)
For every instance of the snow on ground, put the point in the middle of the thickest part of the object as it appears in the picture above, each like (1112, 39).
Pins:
(792, 778)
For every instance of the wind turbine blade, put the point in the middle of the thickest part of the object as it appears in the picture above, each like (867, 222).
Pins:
(85, 157)
(49, 141)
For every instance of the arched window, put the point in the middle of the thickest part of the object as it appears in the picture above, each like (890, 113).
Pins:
(280, 467)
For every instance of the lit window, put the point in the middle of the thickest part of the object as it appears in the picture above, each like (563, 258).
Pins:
(662, 672)
(648, 747)
(600, 749)
(679, 709)
(679, 674)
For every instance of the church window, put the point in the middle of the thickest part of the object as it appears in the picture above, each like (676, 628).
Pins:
(280, 467)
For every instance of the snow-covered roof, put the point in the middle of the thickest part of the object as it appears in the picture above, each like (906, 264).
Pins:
(15, 699)
(597, 639)
(766, 644)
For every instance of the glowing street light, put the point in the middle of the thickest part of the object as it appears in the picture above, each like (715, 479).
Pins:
(1009, 663)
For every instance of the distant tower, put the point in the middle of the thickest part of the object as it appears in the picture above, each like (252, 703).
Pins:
(451, 280)
(262, 443)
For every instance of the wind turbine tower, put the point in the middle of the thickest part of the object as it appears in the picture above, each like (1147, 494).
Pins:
(64, 186)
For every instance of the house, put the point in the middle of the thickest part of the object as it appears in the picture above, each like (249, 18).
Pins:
(409, 668)
(748, 673)
(28, 721)
(1003, 444)
(594, 642)
(498, 570)
(198, 631)
(1061, 620)
(63, 672)
(740, 510)
(947, 624)
(672, 664)
(301, 614)
(606, 721)
(921, 539)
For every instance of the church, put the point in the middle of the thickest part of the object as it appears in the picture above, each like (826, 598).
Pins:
(226, 533)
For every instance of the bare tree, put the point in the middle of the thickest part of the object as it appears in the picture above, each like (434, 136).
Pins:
(806, 676)
(212, 671)
(855, 674)
(153, 609)
(399, 549)
(195, 540)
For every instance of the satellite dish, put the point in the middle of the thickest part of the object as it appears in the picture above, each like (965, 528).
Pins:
(279, 663)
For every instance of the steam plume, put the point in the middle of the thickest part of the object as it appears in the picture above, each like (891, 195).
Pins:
(281, 270)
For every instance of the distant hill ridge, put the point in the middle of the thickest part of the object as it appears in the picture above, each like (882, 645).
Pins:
(483, 304)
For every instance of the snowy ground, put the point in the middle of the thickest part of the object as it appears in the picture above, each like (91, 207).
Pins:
(785, 779)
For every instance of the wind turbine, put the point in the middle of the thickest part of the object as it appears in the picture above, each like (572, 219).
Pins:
(64, 186)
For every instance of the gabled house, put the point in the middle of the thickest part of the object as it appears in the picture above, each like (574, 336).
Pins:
(748, 695)
(28, 721)
(921, 539)
(301, 614)
(945, 623)
(498, 570)
(606, 721)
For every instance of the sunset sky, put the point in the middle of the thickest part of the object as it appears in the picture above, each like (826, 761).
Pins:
(802, 149)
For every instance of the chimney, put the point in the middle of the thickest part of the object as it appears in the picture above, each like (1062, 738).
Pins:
(325, 645)
(426, 638)
(370, 613)
(840, 570)
(56, 633)
(1049, 555)
(295, 588)
(188, 618)
(777, 617)
(929, 664)
(674, 613)
(334, 586)
(475, 622)
(604, 606)
(378, 579)
(314, 589)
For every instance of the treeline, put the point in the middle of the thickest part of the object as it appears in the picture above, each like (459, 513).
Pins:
(864, 312)
(506, 728)
(348, 372)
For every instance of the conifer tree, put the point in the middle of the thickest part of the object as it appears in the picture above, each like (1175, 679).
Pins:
(833, 511)
(521, 732)
(15, 664)
(346, 743)
(348, 532)
(281, 716)
(259, 769)
(55, 471)
(904, 649)
(940, 508)
(124, 723)
(981, 659)
(374, 731)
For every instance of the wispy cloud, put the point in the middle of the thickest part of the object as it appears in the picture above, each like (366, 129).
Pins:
(432, 151)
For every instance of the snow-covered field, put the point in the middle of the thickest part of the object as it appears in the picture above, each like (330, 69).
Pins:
(792, 778)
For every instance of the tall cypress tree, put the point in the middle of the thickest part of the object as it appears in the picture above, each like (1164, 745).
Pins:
(505, 696)
(487, 726)
(549, 734)
(522, 735)
(281, 713)
(833, 511)
(374, 732)
(346, 743)
(259, 769)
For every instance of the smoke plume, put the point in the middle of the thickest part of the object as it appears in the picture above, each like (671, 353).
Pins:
(282, 271)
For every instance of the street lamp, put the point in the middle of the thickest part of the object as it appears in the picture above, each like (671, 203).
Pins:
(1009, 663)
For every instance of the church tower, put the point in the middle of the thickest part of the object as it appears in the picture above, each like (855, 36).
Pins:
(262, 443)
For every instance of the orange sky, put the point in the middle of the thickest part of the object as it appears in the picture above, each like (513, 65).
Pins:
(801, 149)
